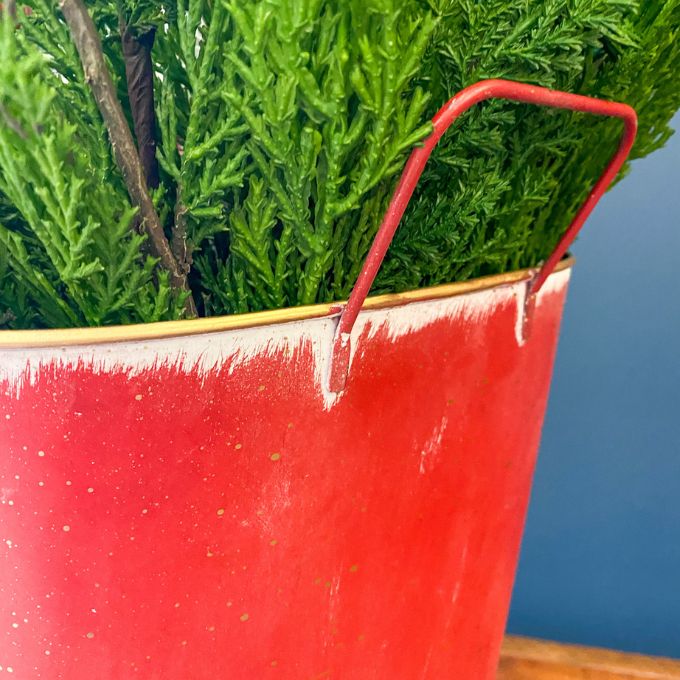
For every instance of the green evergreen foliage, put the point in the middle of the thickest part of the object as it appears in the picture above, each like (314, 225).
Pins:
(503, 186)
(281, 128)
(69, 255)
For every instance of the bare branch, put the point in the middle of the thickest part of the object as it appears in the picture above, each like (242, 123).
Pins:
(12, 123)
(139, 75)
(88, 44)
(12, 9)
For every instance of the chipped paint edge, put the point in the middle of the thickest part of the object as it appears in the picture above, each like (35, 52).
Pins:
(207, 351)
(102, 335)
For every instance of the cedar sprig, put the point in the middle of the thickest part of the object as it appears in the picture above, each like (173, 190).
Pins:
(270, 135)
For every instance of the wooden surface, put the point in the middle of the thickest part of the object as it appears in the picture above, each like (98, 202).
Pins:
(525, 659)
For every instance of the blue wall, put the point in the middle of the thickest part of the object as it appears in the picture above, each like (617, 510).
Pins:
(601, 555)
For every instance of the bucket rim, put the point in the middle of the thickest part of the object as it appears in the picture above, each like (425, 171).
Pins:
(99, 335)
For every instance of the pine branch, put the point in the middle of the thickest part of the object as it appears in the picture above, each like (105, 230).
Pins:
(281, 127)
(89, 47)
(198, 185)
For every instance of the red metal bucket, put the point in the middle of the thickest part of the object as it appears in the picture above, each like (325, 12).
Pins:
(275, 495)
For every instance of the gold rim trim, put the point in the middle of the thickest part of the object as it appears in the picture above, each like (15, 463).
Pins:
(65, 337)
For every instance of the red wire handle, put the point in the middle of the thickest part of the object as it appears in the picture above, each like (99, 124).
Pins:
(464, 100)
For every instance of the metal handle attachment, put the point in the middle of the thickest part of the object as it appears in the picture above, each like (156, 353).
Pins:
(447, 115)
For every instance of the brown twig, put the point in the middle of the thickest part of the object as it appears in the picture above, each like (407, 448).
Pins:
(11, 6)
(12, 123)
(139, 75)
(88, 44)
(179, 243)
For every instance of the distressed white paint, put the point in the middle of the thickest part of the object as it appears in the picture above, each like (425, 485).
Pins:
(521, 293)
(432, 447)
(461, 573)
(203, 353)
(555, 283)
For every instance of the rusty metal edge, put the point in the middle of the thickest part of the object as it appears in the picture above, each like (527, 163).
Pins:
(68, 337)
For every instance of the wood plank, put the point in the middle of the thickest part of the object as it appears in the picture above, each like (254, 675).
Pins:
(527, 659)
